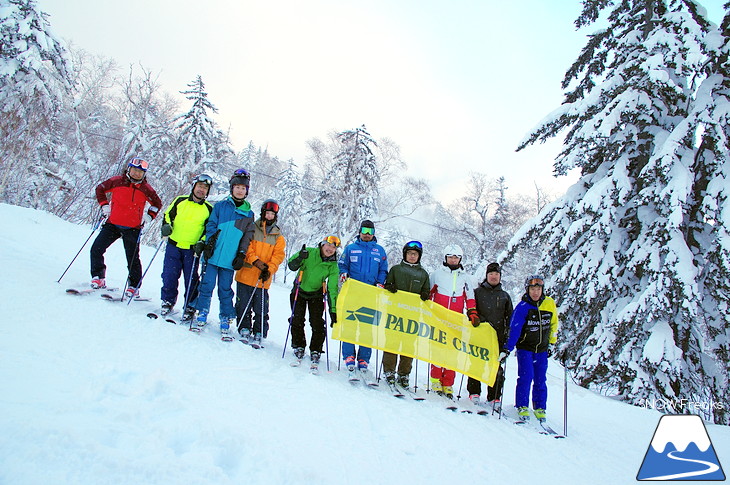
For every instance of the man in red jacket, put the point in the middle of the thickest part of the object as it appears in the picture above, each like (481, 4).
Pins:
(123, 199)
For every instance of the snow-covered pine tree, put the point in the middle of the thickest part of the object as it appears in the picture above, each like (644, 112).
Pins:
(350, 191)
(291, 209)
(616, 251)
(709, 212)
(203, 147)
(34, 81)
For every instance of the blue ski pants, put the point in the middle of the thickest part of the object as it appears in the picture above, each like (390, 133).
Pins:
(224, 276)
(531, 370)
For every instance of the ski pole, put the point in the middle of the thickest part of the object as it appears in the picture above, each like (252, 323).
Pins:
(503, 366)
(240, 319)
(297, 283)
(96, 226)
(202, 274)
(139, 285)
(189, 287)
(565, 398)
(326, 333)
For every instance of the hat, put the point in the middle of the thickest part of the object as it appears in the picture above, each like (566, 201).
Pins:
(492, 267)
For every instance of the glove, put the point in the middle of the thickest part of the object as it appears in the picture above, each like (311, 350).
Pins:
(106, 209)
(391, 287)
(473, 316)
(166, 230)
(303, 253)
(265, 275)
(424, 295)
(343, 277)
(238, 261)
(333, 319)
(198, 248)
(260, 265)
(146, 219)
(209, 249)
(503, 355)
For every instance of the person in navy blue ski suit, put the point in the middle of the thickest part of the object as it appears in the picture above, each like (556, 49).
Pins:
(228, 232)
(363, 260)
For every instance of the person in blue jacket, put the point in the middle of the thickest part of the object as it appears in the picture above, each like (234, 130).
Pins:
(363, 260)
(228, 232)
(533, 329)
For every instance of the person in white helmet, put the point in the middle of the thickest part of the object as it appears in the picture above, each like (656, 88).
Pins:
(452, 288)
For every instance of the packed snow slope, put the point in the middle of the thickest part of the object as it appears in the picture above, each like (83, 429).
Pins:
(94, 392)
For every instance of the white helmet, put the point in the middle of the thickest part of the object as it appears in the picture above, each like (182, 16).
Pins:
(453, 250)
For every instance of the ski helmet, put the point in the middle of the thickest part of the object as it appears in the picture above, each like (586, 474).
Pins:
(139, 163)
(415, 246)
(240, 177)
(534, 280)
(203, 178)
(494, 268)
(367, 227)
(331, 240)
(270, 205)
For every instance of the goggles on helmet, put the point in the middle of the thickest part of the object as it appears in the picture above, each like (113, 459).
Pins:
(414, 245)
(139, 163)
(206, 179)
(241, 172)
(535, 282)
(270, 205)
(332, 240)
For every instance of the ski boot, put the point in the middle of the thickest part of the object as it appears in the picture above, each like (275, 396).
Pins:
(245, 335)
(350, 363)
(403, 381)
(436, 386)
(98, 283)
(540, 414)
(524, 413)
(448, 392)
(225, 330)
(314, 366)
(188, 315)
(256, 341)
(165, 308)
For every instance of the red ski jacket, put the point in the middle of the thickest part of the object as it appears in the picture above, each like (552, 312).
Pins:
(127, 200)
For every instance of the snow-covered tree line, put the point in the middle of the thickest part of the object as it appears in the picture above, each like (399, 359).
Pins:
(637, 251)
(73, 119)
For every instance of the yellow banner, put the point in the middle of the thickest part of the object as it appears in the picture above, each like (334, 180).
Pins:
(403, 324)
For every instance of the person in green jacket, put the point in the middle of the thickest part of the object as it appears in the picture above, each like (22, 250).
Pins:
(409, 276)
(183, 226)
(316, 265)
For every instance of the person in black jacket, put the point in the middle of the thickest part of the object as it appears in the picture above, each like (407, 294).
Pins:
(494, 306)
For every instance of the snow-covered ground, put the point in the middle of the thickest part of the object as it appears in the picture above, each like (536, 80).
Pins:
(94, 392)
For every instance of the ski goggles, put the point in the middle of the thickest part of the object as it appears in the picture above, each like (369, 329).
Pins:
(367, 230)
(414, 245)
(270, 206)
(535, 282)
(334, 240)
(206, 179)
(455, 255)
(139, 163)
(241, 172)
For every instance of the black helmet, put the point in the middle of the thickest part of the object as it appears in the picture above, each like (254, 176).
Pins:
(413, 245)
(240, 177)
(204, 178)
(270, 205)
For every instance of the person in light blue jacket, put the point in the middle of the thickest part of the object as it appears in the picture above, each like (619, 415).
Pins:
(363, 260)
(228, 232)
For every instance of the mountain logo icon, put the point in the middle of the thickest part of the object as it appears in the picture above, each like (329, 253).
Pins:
(681, 450)
(365, 315)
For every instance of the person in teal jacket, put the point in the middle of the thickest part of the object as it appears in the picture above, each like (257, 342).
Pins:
(228, 232)
(316, 266)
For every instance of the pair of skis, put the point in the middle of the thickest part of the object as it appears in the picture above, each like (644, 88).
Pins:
(108, 294)
(357, 376)
(544, 428)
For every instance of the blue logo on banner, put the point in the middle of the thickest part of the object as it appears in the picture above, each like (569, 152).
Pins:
(681, 450)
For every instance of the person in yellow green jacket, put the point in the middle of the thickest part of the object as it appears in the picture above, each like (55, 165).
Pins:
(533, 330)
(183, 226)
(316, 266)
(265, 253)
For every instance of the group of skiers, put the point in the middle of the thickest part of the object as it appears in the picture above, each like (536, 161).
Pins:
(232, 244)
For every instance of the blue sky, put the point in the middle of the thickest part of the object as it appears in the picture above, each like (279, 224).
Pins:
(456, 84)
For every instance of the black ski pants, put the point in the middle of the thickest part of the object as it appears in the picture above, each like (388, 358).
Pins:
(107, 235)
(315, 304)
(473, 386)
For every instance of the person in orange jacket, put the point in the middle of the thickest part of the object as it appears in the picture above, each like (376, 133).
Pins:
(265, 253)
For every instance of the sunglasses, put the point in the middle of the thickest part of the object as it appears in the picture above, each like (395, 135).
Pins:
(271, 206)
(367, 230)
(414, 245)
(333, 240)
(139, 163)
(536, 282)
(206, 179)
